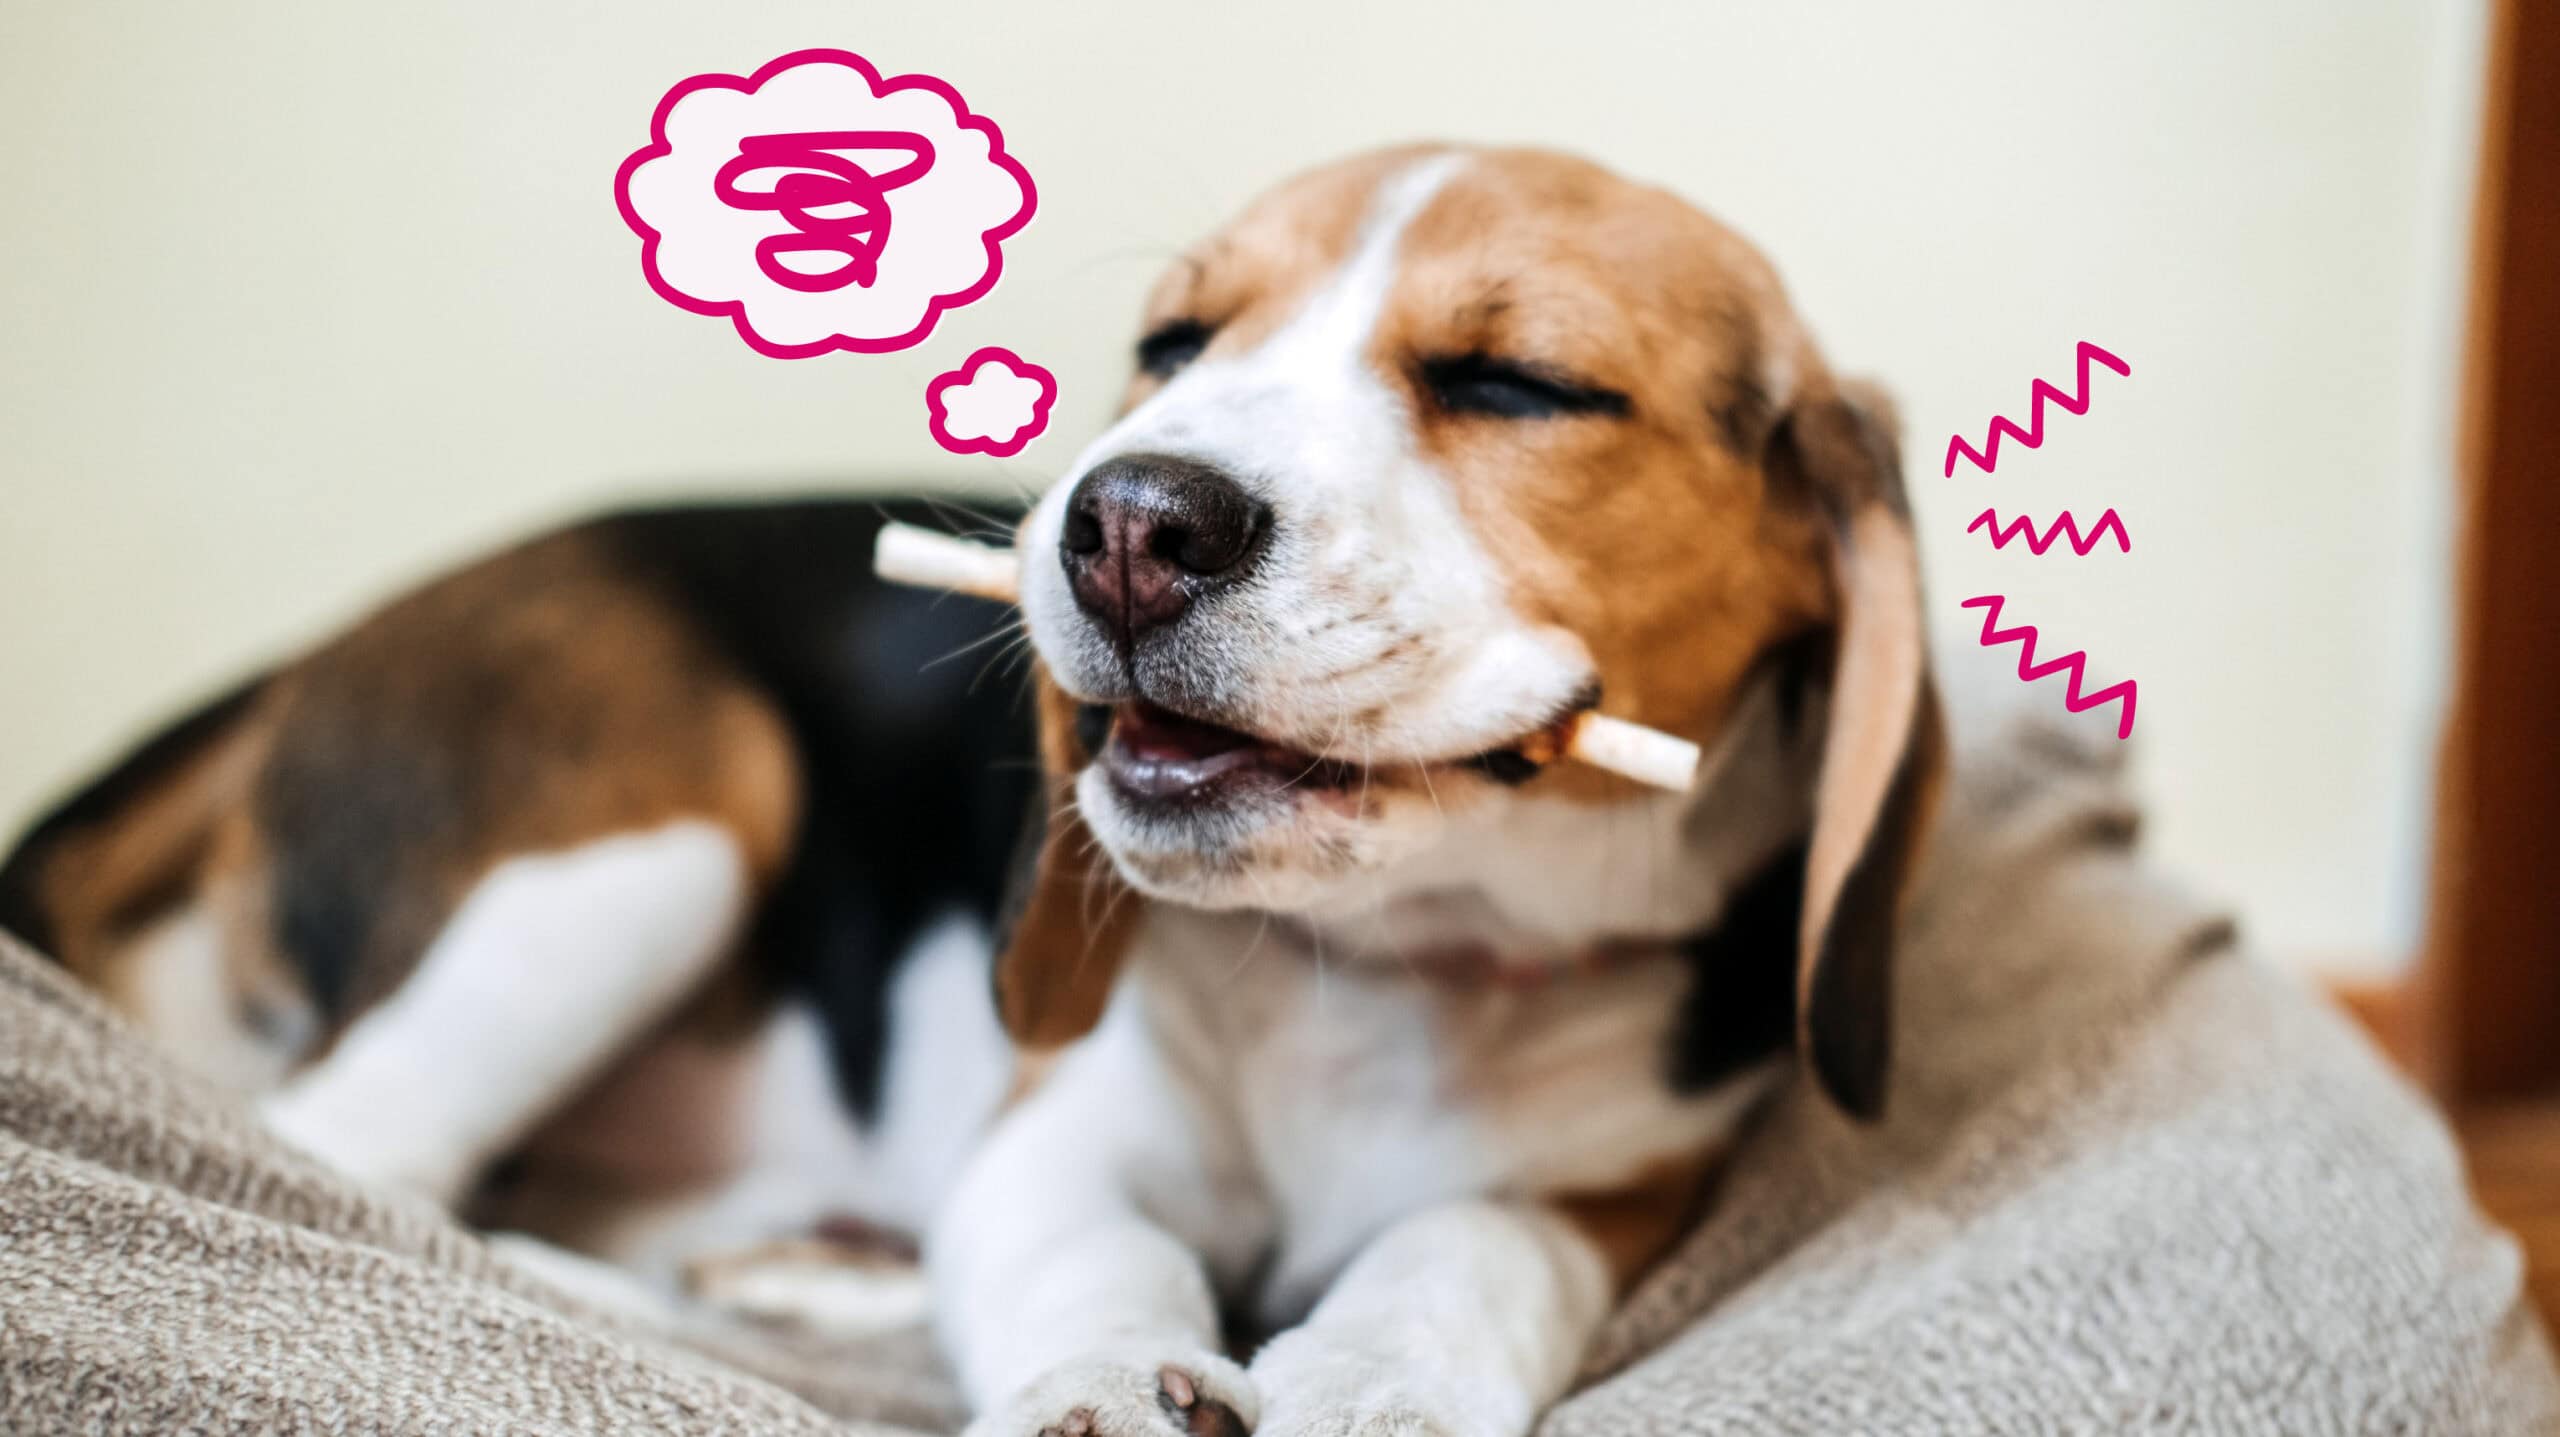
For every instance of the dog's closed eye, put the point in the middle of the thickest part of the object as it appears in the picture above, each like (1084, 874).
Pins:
(1512, 389)
(1171, 345)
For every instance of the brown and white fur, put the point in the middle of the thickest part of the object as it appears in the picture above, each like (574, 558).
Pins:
(1511, 430)
(630, 886)
(1328, 1011)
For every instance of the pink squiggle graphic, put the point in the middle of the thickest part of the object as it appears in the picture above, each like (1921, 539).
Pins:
(810, 173)
(2001, 534)
(2032, 436)
(2075, 663)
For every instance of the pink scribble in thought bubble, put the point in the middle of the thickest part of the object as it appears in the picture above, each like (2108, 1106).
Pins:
(994, 403)
(818, 207)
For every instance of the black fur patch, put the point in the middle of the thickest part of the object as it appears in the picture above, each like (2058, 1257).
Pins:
(915, 740)
(1798, 667)
(1741, 1005)
(357, 802)
(1506, 766)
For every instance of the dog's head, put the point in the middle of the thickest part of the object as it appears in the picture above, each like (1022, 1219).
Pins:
(1425, 451)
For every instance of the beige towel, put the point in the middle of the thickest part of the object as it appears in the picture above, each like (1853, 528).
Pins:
(2133, 1181)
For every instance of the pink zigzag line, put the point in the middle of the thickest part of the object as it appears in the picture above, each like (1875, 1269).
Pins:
(2001, 534)
(2075, 662)
(2032, 436)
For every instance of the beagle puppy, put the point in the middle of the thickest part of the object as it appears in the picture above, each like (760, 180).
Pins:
(1344, 1065)
(629, 887)
(1415, 1055)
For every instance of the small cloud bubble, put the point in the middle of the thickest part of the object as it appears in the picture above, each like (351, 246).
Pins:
(995, 403)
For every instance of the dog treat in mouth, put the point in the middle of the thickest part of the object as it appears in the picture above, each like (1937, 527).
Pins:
(1629, 750)
(905, 554)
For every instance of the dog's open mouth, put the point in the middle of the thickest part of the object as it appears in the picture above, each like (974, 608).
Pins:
(1156, 756)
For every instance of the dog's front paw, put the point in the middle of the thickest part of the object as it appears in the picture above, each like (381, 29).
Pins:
(1323, 1389)
(1190, 1395)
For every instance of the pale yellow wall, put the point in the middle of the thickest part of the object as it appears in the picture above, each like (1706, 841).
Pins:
(299, 301)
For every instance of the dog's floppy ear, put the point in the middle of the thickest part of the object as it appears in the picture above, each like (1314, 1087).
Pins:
(1884, 747)
(1067, 915)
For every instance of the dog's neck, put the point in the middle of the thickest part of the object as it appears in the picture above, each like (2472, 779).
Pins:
(1541, 887)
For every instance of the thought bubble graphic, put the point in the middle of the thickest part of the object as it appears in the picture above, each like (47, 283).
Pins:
(819, 207)
(994, 403)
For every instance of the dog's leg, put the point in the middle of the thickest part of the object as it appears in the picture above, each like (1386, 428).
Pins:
(1462, 1321)
(1067, 1271)
(552, 963)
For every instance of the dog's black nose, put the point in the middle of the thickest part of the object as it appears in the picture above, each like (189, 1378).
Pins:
(1147, 534)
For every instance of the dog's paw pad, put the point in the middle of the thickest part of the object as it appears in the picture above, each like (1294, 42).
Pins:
(1199, 1414)
(1078, 1423)
(1129, 1393)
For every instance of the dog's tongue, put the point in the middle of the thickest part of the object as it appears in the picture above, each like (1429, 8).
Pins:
(1158, 754)
(1161, 736)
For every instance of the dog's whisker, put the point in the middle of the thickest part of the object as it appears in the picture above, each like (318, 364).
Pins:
(1157, 253)
(1316, 756)
(1111, 907)
(1261, 931)
(1013, 648)
(975, 524)
(1432, 791)
(1027, 492)
(1318, 943)
(1368, 759)
(1003, 633)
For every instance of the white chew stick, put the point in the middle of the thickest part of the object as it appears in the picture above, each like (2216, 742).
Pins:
(1630, 750)
(905, 554)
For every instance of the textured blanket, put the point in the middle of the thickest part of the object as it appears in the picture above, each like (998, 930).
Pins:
(2133, 1181)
